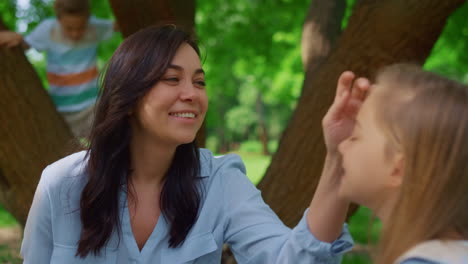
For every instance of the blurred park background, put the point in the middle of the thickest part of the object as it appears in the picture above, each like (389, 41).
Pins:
(260, 56)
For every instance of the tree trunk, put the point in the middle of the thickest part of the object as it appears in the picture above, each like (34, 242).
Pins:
(321, 29)
(133, 15)
(379, 33)
(32, 133)
(262, 128)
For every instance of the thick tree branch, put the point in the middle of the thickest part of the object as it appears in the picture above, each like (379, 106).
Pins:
(321, 29)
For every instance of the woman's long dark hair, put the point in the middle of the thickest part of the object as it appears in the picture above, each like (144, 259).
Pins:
(136, 66)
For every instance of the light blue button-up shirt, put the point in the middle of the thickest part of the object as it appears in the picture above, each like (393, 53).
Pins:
(232, 212)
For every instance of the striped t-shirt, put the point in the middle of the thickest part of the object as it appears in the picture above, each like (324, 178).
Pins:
(71, 66)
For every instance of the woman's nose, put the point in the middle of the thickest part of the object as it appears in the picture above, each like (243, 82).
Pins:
(188, 92)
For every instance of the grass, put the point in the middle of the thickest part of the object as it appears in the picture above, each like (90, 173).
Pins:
(6, 219)
(255, 164)
(7, 253)
(7, 257)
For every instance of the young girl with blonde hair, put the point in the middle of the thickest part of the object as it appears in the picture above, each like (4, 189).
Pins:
(407, 160)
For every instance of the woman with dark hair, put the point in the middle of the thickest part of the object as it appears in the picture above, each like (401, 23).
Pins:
(144, 193)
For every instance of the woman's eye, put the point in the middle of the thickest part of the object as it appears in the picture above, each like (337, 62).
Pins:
(200, 83)
(171, 80)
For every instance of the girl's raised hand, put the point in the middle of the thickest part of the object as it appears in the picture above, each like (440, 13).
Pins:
(338, 123)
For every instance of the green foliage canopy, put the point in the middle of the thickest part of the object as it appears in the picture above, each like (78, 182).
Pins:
(251, 53)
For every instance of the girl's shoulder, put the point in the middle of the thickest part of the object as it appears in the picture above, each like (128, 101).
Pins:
(437, 251)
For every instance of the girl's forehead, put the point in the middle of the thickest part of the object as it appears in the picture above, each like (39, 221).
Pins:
(377, 89)
(371, 103)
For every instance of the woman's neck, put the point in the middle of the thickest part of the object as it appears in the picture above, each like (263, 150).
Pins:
(150, 160)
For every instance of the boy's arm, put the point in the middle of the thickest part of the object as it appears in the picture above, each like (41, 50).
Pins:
(105, 28)
(115, 26)
(12, 39)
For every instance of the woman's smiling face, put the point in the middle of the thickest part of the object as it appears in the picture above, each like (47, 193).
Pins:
(174, 109)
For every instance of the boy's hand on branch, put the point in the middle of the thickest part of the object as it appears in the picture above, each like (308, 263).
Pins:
(10, 39)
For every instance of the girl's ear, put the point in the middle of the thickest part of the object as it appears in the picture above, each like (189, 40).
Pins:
(398, 170)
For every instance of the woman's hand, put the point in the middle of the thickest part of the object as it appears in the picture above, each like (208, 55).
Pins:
(338, 123)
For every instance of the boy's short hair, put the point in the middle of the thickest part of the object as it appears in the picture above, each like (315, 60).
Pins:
(72, 7)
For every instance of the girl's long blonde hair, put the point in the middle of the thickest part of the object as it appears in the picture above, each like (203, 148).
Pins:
(425, 117)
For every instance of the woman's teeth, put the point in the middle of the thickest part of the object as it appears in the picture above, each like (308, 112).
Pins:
(185, 115)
